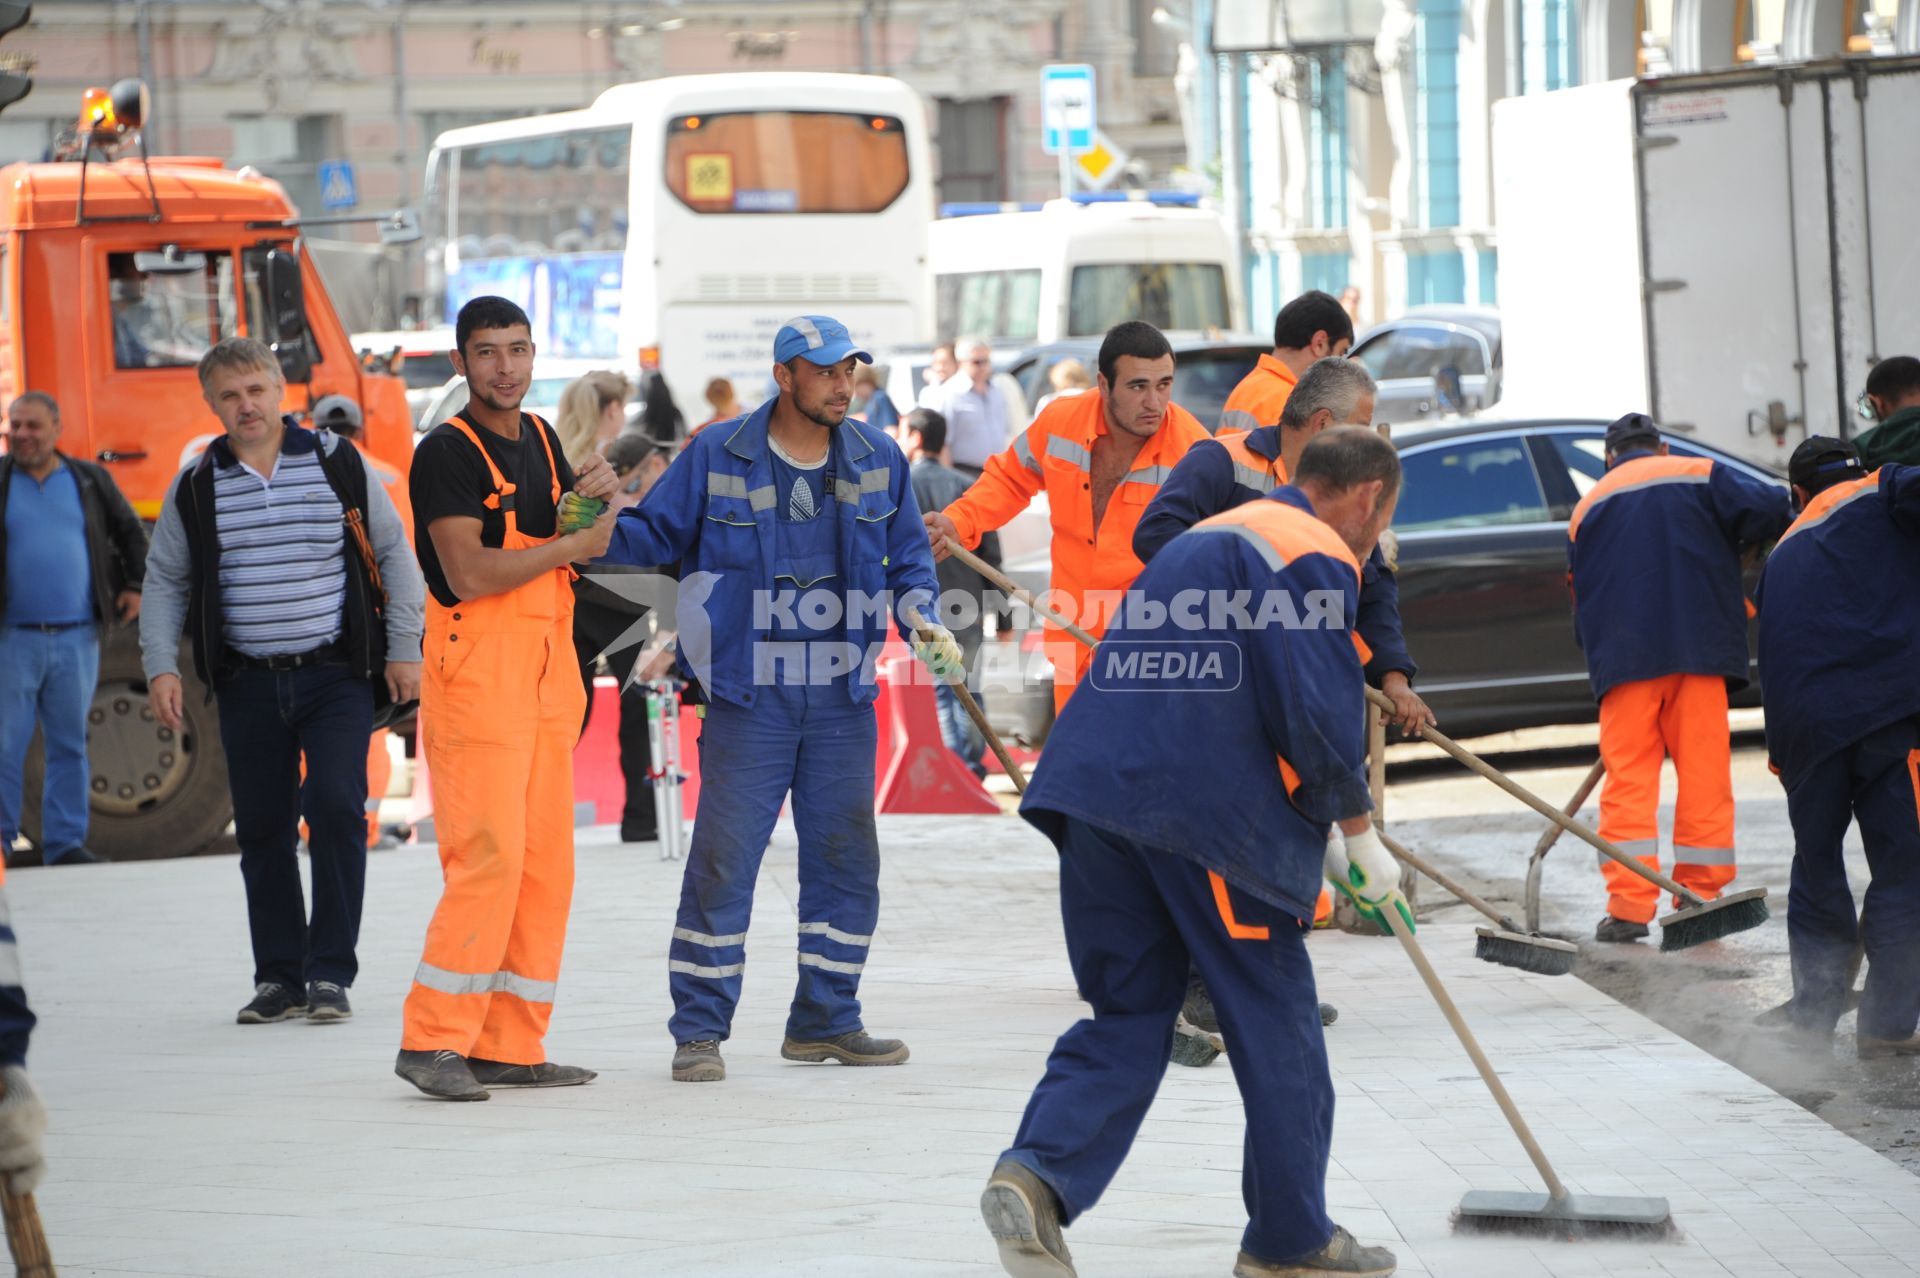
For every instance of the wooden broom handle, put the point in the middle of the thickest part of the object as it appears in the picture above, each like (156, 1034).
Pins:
(1026, 597)
(921, 627)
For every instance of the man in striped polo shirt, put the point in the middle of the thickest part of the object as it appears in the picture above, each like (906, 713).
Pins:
(250, 556)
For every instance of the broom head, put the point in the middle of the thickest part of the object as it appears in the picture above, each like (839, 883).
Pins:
(1698, 924)
(1540, 954)
(1575, 1216)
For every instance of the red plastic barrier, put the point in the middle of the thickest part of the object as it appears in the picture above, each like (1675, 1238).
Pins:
(914, 771)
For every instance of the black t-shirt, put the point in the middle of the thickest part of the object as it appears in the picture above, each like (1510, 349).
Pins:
(449, 477)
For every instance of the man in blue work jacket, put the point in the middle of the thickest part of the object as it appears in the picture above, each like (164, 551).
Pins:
(1265, 665)
(1839, 645)
(797, 534)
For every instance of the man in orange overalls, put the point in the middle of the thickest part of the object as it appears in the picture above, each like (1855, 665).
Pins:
(1100, 458)
(1311, 327)
(500, 709)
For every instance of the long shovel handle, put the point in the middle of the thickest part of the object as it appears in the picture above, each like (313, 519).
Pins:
(1578, 829)
(1579, 799)
(1444, 879)
(25, 1237)
(1555, 1189)
(1025, 596)
(975, 713)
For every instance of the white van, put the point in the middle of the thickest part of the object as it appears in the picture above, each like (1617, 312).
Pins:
(1075, 269)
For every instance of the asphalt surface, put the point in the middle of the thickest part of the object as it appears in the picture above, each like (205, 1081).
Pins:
(1709, 994)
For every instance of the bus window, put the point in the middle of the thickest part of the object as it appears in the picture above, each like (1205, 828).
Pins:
(168, 319)
(1178, 296)
(539, 196)
(998, 304)
(786, 162)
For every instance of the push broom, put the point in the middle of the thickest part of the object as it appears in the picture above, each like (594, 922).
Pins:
(1557, 1211)
(1505, 943)
(1695, 923)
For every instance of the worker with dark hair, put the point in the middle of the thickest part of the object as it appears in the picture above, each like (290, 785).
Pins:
(1839, 643)
(1893, 397)
(1311, 327)
(1100, 458)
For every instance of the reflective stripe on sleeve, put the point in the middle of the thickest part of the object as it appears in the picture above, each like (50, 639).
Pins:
(1238, 419)
(1024, 451)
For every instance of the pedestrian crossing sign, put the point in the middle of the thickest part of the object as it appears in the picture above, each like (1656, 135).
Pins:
(337, 187)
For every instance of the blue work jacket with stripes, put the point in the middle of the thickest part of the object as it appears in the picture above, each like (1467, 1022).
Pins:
(1222, 717)
(713, 512)
(1231, 470)
(1653, 558)
(1840, 620)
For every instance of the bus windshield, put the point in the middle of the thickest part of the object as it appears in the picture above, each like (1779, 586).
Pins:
(1178, 296)
(786, 162)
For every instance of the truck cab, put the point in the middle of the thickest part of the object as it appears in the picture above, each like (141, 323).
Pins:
(115, 277)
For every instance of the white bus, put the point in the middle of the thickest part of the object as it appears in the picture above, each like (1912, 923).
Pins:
(677, 223)
(1075, 269)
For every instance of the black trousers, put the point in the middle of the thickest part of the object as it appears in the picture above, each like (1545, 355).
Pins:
(594, 627)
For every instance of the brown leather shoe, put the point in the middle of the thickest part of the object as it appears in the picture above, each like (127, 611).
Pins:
(1023, 1215)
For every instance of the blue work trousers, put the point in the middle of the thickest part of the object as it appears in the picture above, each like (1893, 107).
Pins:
(1876, 781)
(1134, 918)
(268, 719)
(47, 678)
(957, 728)
(814, 742)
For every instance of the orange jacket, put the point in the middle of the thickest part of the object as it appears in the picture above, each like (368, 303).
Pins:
(1091, 567)
(1259, 397)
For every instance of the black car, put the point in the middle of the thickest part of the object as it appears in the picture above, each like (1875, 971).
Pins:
(1482, 527)
(1205, 369)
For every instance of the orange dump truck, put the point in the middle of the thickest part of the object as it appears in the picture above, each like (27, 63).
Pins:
(115, 276)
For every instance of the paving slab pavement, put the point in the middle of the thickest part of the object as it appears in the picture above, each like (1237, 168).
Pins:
(183, 1144)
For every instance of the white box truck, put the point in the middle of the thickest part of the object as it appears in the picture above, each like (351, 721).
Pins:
(1730, 252)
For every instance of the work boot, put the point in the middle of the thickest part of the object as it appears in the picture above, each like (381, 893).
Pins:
(698, 1061)
(1198, 1010)
(327, 1001)
(639, 832)
(1194, 1047)
(1871, 1048)
(272, 1002)
(1023, 1215)
(1619, 930)
(547, 1074)
(443, 1074)
(857, 1048)
(79, 856)
(1343, 1254)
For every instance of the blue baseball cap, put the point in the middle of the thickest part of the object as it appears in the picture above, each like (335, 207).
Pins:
(821, 339)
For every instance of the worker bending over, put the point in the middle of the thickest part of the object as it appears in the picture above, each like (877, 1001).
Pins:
(1311, 327)
(1100, 458)
(1183, 712)
(1653, 559)
(500, 709)
(1839, 647)
(797, 535)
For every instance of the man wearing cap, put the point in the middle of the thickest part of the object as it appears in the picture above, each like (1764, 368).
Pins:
(797, 534)
(1839, 642)
(1653, 560)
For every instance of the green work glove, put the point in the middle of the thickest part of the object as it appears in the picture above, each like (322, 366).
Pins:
(577, 512)
(1360, 868)
(939, 652)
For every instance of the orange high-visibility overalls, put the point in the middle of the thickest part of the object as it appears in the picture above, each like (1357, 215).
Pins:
(500, 706)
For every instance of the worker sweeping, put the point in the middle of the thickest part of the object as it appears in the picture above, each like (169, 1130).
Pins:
(797, 535)
(1182, 713)
(1100, 458)
(1839, 644)
(1312, 327)
(1654, 564)
(500, 709)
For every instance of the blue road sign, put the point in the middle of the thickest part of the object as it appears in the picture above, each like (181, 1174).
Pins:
(337, 189)
(1066, 105)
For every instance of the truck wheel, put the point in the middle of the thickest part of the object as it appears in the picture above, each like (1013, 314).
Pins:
(154, 792)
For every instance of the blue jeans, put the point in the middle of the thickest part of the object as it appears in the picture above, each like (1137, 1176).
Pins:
(268, 719)
(1875, 781)
(816, 743)
(957, 728)
(47, 677)
(1134, 916)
